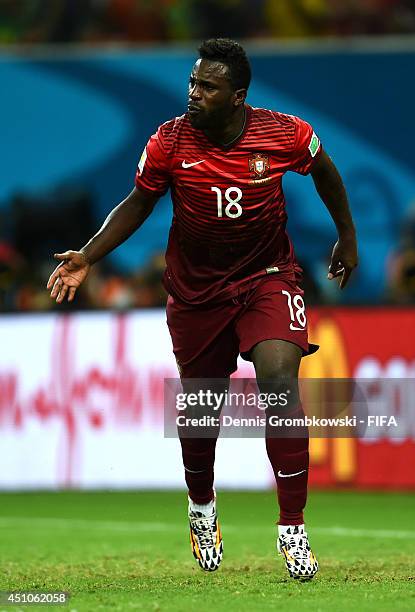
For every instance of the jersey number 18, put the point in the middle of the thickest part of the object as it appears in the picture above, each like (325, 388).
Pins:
(233, 209)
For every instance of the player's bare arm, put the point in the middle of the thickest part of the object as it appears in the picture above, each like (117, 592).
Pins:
(120, 224)
(331, 190)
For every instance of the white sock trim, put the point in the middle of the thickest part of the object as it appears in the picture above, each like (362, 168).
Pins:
(282, 529)
(207, 509)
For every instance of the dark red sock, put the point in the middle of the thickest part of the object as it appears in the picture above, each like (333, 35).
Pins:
(198, 460)
(290, 460)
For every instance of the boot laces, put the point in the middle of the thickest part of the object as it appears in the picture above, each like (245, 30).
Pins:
(204, 527)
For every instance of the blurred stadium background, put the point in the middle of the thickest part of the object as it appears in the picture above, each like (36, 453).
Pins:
(84, 83)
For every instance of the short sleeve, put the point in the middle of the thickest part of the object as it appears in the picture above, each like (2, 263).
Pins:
(307, 147)
(153, 168)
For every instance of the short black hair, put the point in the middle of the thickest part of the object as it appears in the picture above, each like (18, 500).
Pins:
(233, 55)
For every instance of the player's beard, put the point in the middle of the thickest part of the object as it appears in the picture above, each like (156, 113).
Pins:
(208, 120)
(199, 120)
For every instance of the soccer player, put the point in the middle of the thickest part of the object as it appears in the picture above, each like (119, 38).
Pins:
(233, 281)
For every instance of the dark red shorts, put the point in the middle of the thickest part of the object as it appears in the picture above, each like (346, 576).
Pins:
(207, 339)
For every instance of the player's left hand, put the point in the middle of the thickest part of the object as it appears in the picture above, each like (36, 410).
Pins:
(343, 260)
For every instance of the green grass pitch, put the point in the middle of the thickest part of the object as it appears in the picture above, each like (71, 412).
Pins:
(130, 551)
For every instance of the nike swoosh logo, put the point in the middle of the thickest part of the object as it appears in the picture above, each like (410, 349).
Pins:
(281, 475)
(184, 165)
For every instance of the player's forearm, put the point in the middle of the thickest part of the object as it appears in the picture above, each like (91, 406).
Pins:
(120, 224)
(331, 190)
(335, 198)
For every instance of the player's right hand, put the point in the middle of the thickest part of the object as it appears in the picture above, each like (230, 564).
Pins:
(68, 275)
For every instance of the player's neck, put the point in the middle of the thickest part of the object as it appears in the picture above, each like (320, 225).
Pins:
(230, 132)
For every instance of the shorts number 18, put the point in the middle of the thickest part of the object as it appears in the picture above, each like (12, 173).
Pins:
(296, 307)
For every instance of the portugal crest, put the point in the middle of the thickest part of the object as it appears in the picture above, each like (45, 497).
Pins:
(259, 165)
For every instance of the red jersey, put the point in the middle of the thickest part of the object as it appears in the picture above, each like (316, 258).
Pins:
(229, 216)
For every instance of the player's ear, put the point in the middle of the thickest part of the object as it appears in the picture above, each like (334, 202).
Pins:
(239, 97)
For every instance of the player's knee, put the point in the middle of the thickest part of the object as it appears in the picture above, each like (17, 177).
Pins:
(278, 384)
(276, 373)
(276, 360)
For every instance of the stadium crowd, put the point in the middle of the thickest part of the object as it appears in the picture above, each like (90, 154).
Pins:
(22, 285)
(34, 227)
(140, 21)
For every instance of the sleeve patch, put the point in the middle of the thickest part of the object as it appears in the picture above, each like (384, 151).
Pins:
(314, 145)
(142, 161)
